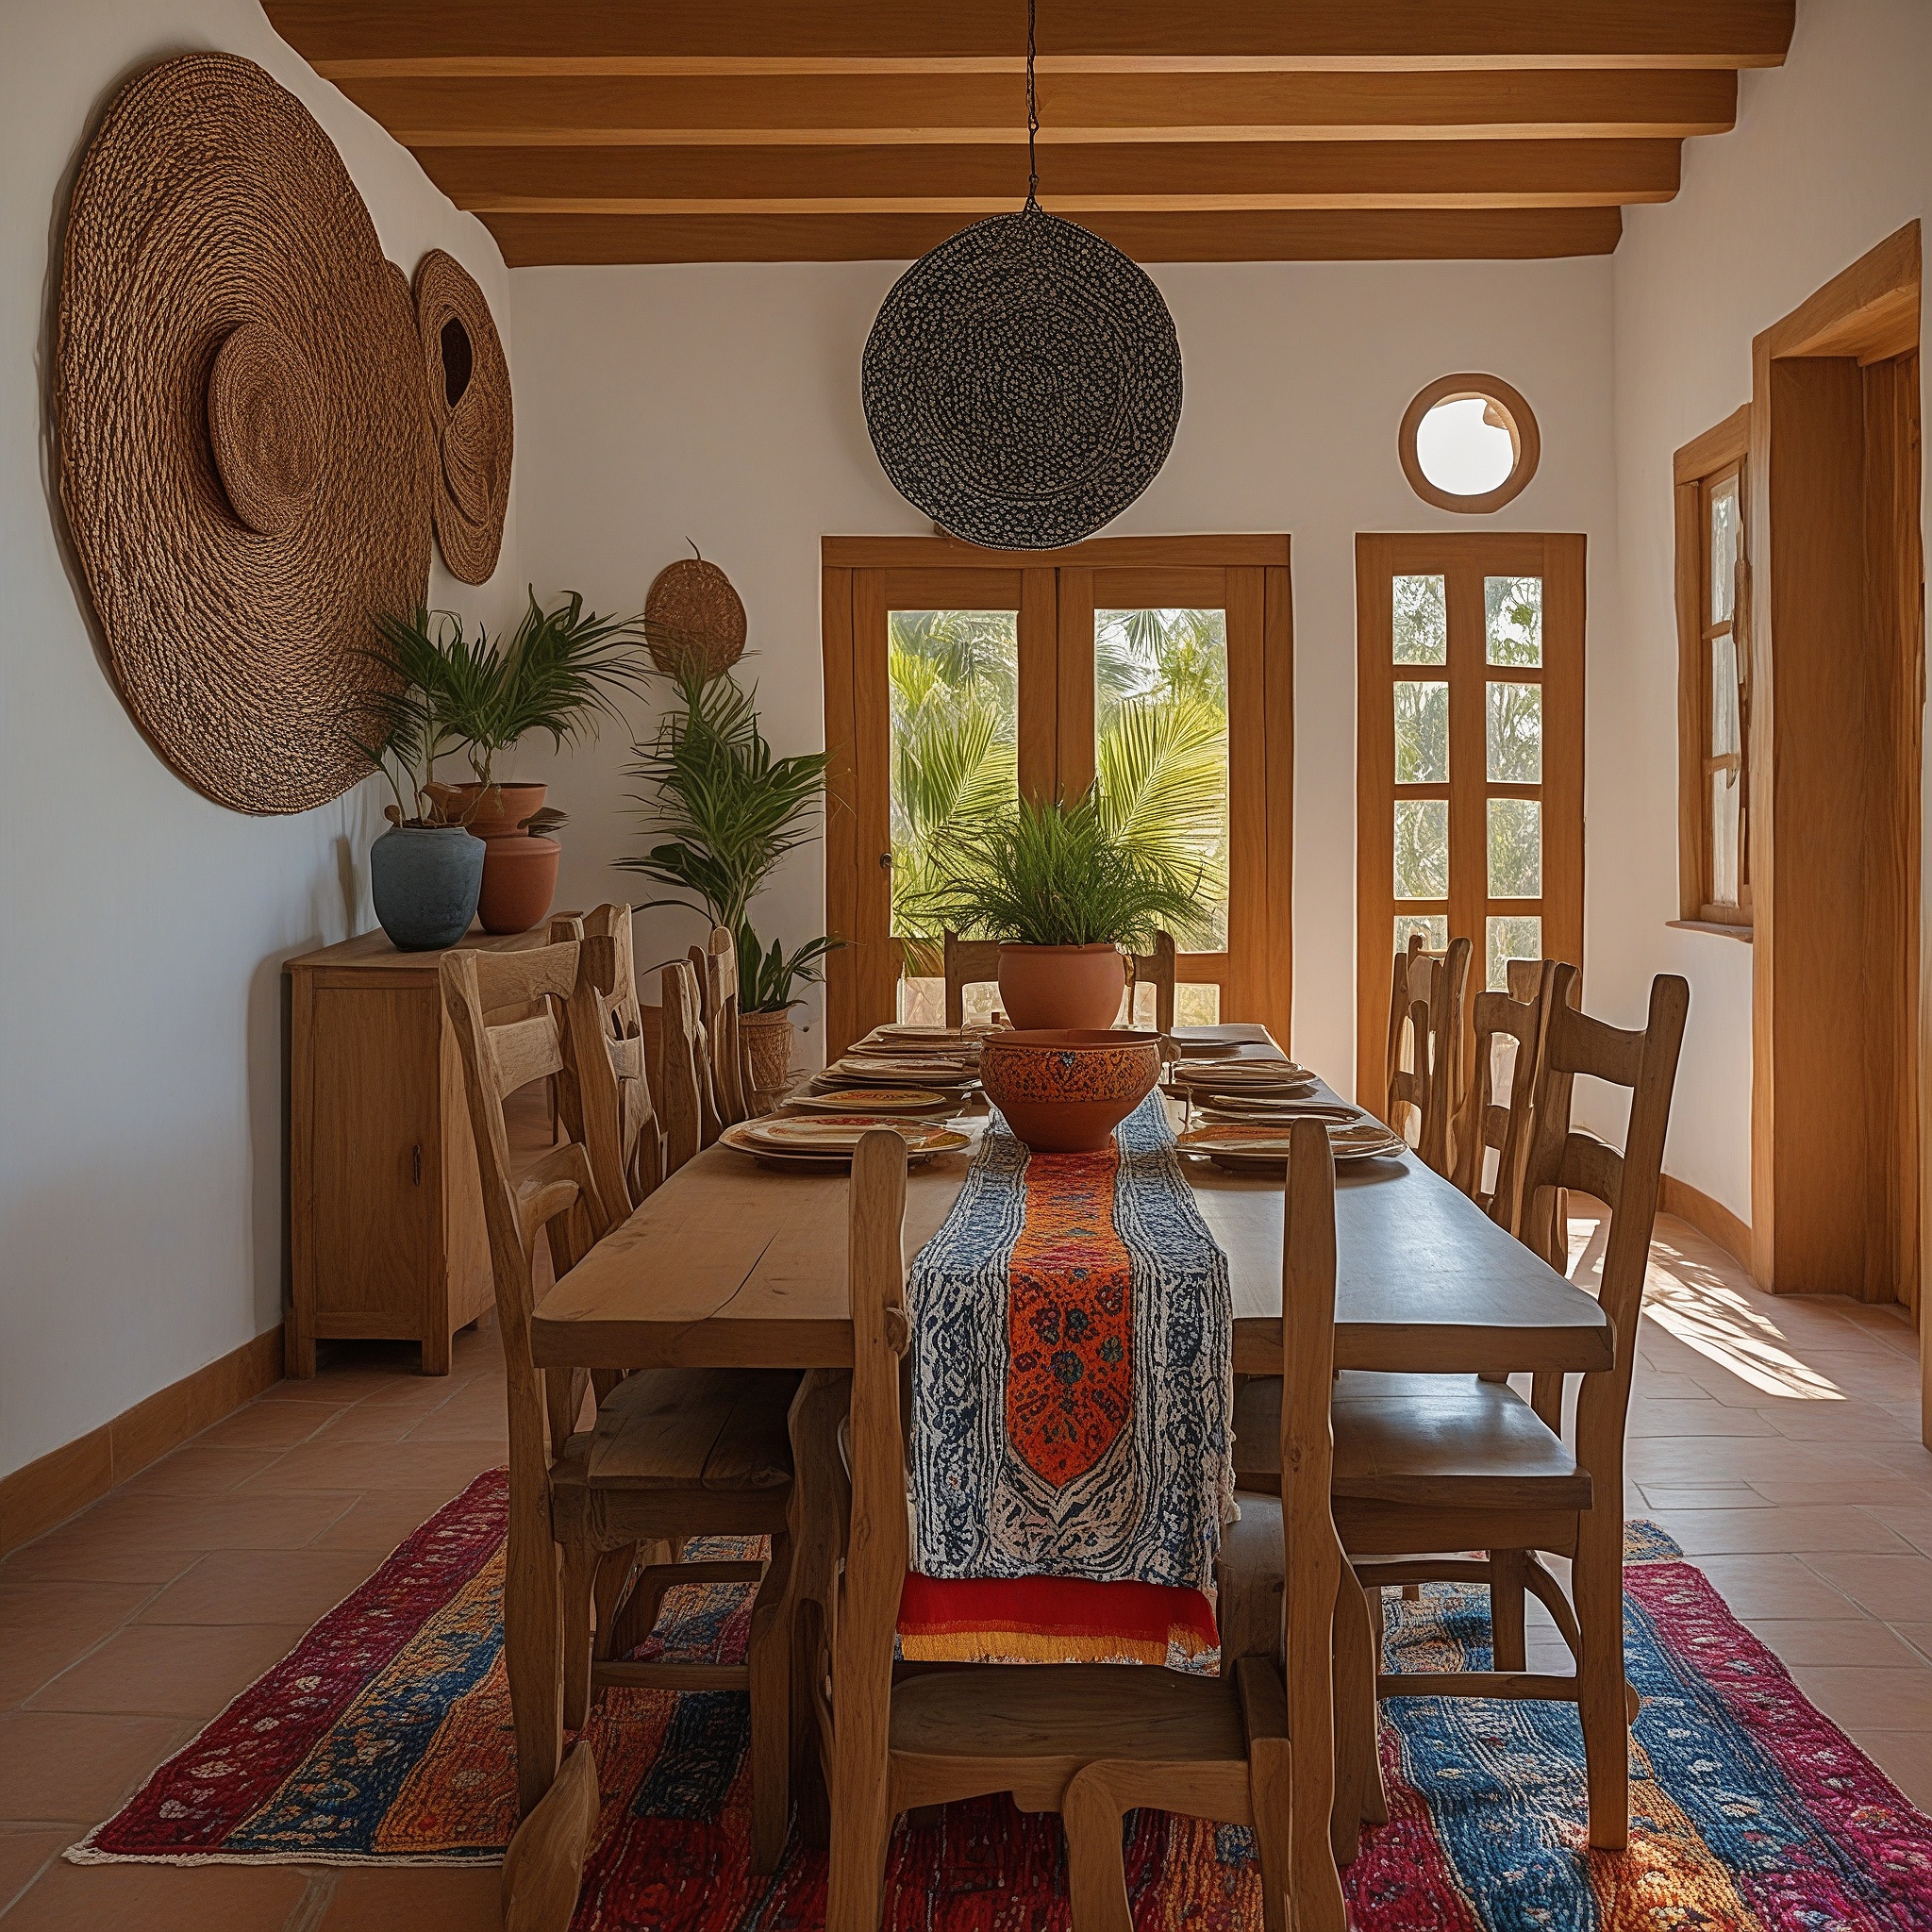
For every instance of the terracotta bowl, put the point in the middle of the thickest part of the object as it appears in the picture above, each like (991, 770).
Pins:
(1064, 1090)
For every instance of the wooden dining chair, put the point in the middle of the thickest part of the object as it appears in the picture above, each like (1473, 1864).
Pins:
(1154, 969)
(671, 1453)
(1454, 1462)
(612, 985)
(1489, 1124)
(543, 1863)
(674, 1061)
(967, 963)
(1430, 987)
(1087, 1741)
(715, 968)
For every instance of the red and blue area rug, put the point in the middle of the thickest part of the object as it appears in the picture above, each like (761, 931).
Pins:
(384, 1739)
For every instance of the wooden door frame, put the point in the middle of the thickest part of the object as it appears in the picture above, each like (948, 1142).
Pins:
(1260, 562)
(1809, 533)
(1562, 561)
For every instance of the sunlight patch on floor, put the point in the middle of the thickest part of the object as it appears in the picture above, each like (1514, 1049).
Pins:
(1688, 1301)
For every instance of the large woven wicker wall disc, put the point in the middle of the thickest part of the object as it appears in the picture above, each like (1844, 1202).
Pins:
(1023, 382)
(469, 405)
(245, 453)
(695, 604)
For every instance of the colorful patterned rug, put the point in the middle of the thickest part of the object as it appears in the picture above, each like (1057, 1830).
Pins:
(384, 1739)
(1072, 1408)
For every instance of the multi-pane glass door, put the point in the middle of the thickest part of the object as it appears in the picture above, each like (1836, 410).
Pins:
(1470, 730)
(971, 686)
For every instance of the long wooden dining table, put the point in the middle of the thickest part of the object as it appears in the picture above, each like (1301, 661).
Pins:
(729, 1265)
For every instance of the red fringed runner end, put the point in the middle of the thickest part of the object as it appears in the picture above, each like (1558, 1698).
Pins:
(1042, 1620)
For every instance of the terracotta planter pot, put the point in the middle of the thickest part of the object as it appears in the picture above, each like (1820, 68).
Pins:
(1061, 986)
(1064, 1090)
(768, 1039)
(518, 881)
(500, 817)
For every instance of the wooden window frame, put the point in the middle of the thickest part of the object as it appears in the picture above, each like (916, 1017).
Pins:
(1559, 562)
(1056, 747)
(1719, 452)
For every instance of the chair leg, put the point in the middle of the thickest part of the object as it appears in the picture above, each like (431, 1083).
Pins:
(770, 1656)
(1096, 1872)
(1597, 1583)
(543, 1867)
(1508, 1587)
(531, 1649)
(580, 1566)
(1269, 1771)
(1358, 1762)
(862, 1801)
(816, 1523)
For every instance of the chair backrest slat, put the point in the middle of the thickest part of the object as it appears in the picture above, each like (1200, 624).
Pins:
(1430, 987)
(679, 1027)
(967, 963)
(1154, 969)
(1487, 1122)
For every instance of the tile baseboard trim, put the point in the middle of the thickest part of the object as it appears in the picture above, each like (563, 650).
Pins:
(56, 1486)
(1710, 1218)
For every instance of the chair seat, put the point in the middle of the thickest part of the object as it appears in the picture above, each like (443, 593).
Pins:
(689, 1429)
(1428, 1441)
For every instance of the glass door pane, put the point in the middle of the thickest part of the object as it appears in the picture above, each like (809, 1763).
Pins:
(953, 677)
(1161, 755)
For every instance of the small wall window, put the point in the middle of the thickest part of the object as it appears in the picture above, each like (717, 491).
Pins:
(1713, 678)
(1469, 443)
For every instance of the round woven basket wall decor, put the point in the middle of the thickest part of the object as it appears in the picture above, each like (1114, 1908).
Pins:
(469, 407)
(693, 601)
(246, 452)
(1023, 382)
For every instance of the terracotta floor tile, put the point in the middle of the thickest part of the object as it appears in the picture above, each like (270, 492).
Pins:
(449, 1424)
(381, 1520)
(1913, 1523)
(1878, 1488)
(1752, 1531)
(362, 1424)
(418, 1901)
(79, 1553)
(1887, 1585)
(1699, 1419)
(1866, 1695)
(200, 1470)
(179, 1670)
(56, 1765)
(265, 1425)
(259, 1587)
(1905, 1759)
(1848, 1641)
(1662, 1496)
(31, 1658)
(22, 1856)
(159, 1898)
(1836, 1422)
(243, 1520)
(83, 1608)
(326, 1466)
(1774, 1587)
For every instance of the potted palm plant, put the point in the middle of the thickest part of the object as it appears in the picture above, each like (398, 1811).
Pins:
(558, 674)
(726, 812)
(1064, 891)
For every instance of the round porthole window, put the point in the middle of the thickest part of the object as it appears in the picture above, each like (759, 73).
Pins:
(1469, 443)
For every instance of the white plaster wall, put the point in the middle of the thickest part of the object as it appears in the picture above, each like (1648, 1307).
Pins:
(720, 402)
(141, 928)
(1832, 153)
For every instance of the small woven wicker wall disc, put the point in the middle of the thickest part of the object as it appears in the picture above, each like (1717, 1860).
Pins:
(469, 405)
(695, 599)
(1023, 382)
(245, 456)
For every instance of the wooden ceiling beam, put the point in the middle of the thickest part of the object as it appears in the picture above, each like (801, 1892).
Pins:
(1077, 181)
(529, 241)
(990, 109)
(340, 37)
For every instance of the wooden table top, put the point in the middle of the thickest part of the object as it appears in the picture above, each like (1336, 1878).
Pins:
(729, 1264)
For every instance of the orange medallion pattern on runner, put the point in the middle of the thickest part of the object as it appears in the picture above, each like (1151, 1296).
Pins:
(1069, 1319)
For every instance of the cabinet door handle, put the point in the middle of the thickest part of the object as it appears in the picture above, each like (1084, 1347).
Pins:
(416, 1165)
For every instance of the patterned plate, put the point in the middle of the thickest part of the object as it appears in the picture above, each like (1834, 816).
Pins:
(1366, 1139)
(899, 1071)
(1279, 1112)
(1231, 1076)
(928, 1039)
(878, 1100)
(840, 1133)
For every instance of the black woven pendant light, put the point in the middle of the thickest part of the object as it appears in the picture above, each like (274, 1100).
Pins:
(1022, 381)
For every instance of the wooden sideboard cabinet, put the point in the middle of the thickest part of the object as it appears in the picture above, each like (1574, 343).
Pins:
(386, 1231)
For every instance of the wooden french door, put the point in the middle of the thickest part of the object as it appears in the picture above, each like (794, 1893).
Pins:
(1469, 757)
(957, 677)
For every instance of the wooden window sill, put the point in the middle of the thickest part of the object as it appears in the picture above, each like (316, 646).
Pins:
(1728, 932)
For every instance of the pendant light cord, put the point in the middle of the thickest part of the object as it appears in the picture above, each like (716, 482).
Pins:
(1032, 119)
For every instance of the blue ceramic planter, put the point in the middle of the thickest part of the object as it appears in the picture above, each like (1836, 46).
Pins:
(426, 881)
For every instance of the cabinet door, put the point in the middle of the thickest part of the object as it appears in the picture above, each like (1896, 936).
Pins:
(376, 1207)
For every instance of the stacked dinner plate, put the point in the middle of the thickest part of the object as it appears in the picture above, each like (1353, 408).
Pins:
(1261, 1146)
(818, 1142)
(1211, 1082)
(939, 1058)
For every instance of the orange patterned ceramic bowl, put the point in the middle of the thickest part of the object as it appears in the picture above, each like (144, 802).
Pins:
(1064, 1092)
